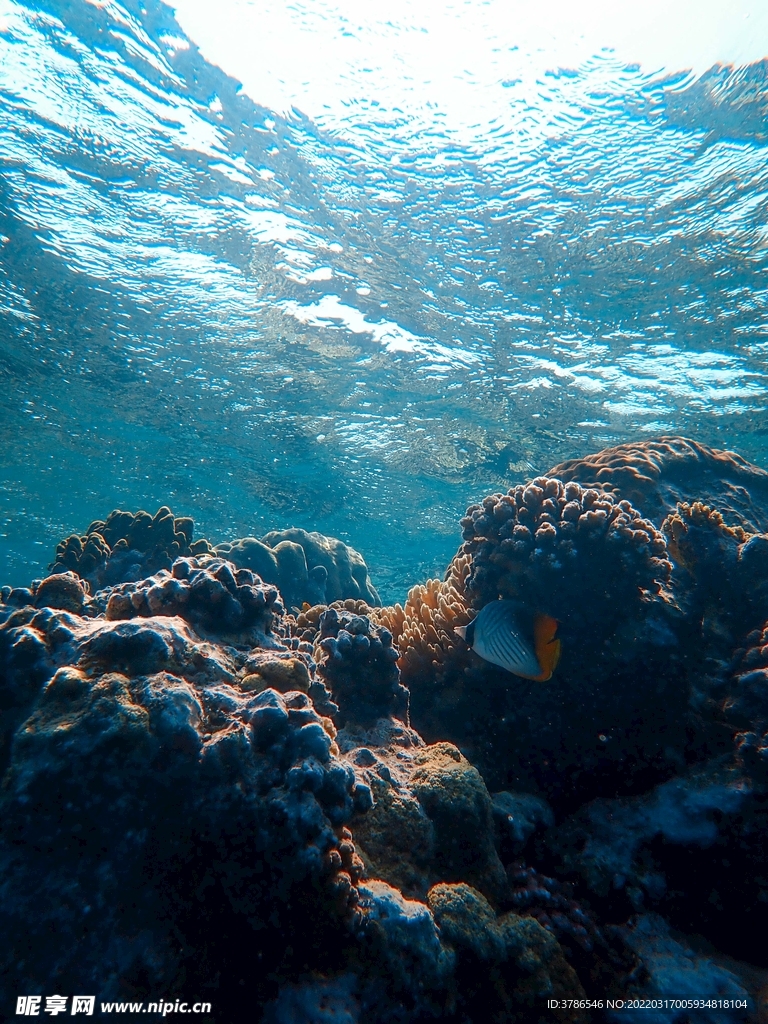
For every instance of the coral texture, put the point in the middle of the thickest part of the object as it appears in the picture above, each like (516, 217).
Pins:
(307, 567)
(603, 571)
(198, 784)
(507, 963)
(357, 663)
(127, 545)
(525, 544)
(143, 766)
(725, 571)
(431, 818)
(212, 594)
(424, 628)
(656, 474)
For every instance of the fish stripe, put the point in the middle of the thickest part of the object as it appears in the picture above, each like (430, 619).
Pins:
(496, 636)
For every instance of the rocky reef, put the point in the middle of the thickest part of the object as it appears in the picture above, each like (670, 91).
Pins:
(229, 774)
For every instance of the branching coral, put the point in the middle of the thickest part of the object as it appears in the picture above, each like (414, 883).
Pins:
(424, 628)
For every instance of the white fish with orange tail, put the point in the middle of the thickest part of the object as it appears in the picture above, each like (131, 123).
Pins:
(498, 635)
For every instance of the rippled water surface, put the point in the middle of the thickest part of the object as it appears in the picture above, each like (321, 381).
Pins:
(357, 323)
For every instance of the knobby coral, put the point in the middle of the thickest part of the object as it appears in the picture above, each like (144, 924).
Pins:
(127, 545)
(658, 473)
(357, 663)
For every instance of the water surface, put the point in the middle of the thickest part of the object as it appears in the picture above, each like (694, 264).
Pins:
(358, 323)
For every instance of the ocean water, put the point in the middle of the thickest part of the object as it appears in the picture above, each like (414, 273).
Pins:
(361, 318)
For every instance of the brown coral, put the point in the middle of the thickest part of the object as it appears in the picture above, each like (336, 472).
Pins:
(656, 474)
(209, 592)
(565, 550)
(424, 629)
(724, 578)
(108, 547)
(681, 525)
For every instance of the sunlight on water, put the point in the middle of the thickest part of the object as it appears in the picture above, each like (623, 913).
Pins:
(410, 258)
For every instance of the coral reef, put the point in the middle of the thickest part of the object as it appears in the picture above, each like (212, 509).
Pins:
(526, 543)
(431, 818)
(212, 594)
(233, 769)
(357, 664)
(656, 474)
(144, 768)
(308, 568)
(673, 970)
(424, 628)
(127, 546)
(603, 571)
(744, 706)
(505, 964)
(723, 572)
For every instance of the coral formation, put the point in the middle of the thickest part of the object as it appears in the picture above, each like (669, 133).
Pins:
(431, 818)
(656, 474)
(357, 664)
(506, 964)
(424, 628)
(127, 546)
(525, 543)
(199, 784)
(673, 970)
(138, 780)
(744, 706)
(603, 571)
(212, 594)
(725, 569)
(308, 568)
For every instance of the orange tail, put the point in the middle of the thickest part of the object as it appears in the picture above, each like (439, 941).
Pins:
(547, 648)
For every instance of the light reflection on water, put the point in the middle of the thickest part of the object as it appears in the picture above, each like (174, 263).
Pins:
(265, 321)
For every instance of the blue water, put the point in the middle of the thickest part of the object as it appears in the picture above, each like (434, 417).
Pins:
(263, 320)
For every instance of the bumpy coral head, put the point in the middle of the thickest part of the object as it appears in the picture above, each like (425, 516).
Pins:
(576, 554)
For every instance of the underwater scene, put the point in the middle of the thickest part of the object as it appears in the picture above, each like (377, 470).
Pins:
(384, 511)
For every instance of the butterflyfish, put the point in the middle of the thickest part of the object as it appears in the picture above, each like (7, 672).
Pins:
(496, 635)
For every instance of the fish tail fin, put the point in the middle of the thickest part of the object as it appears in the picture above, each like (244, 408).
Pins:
(461, 631)
(547, 647)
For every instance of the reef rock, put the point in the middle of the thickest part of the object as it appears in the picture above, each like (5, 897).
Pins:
(507, 964)
(674, 971)
(201, 802)
(656, 474)
(431, 818)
